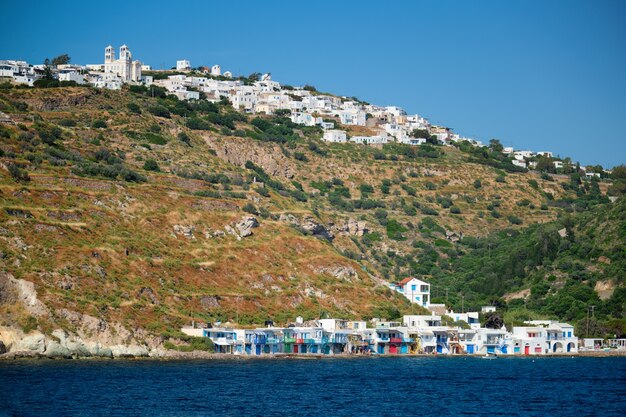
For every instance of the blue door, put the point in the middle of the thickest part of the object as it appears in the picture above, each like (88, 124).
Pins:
(258, 349)
(381, 349)
(248, 349)
(470, 349)
(491, 349)
(404, 349)
(439, 349)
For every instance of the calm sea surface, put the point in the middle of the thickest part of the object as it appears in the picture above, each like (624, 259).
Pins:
(327, 387)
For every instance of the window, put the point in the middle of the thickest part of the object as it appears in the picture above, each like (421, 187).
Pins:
(413, 287)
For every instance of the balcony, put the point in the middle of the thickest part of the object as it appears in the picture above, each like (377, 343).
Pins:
(396, 340)
(289, 339)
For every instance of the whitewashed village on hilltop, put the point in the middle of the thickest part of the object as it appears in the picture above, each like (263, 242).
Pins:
(303, 105)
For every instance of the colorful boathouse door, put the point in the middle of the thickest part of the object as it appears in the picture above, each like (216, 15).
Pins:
(393, 349)
(258, 349)
(527, 350)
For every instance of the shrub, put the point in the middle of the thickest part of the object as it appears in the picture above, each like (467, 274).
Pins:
(478, 184)
(151, 165)
(500, 178)
(300, 156)
(395, 230)
(495, 214)
(514, 220)
(183, 137)
(18, 174)
(262, 191)
(534, 184)
(99, 124)
(195, 123)
(134, 108)
(429, 211)
(159, 111)
(430, 186)
(455, 210)
(366, 189)
(250, 208)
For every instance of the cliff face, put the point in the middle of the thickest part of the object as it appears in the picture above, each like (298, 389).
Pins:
(124, 230)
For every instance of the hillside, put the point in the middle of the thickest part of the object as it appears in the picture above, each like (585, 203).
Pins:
(139, 214)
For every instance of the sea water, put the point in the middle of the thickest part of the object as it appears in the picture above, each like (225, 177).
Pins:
(437, 386)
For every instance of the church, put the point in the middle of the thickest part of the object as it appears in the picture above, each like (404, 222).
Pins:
(124, 67)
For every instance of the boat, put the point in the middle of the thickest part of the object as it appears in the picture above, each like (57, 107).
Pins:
(490, 356)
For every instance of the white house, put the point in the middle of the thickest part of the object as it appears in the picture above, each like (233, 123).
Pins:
(71, 76)
(216, 70)
(415, 290)
(518, 163)
(369, 140)
(183, 65)
(335, 135)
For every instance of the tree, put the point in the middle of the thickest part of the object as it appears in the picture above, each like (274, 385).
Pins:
(420, 133)
(47, 71)
(63, 59)
(495, 145)
(619, 172)
(545, 164)
(493, 321)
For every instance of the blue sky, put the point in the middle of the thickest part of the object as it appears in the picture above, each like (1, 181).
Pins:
(540, 75)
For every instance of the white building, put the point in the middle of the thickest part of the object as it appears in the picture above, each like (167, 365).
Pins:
(124, 67)
(415, 290)
(335, 135)
(71, 76)
(216, 70)
(183, 65)
(370, 140)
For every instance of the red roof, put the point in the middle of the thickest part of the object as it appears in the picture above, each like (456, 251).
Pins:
(405, 281)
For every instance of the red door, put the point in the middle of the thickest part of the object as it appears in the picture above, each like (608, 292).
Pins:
(526, 350)
(295, 348)
(393, 349)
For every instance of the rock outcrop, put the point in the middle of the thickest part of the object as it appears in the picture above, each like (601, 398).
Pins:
(309, 225)
(243, 227)
(351, 227)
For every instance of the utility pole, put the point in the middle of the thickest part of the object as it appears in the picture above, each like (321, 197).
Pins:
(587, 321)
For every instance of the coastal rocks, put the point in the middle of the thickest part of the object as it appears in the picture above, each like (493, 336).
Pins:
(3, 348)
(130, 351)
(35, 342)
